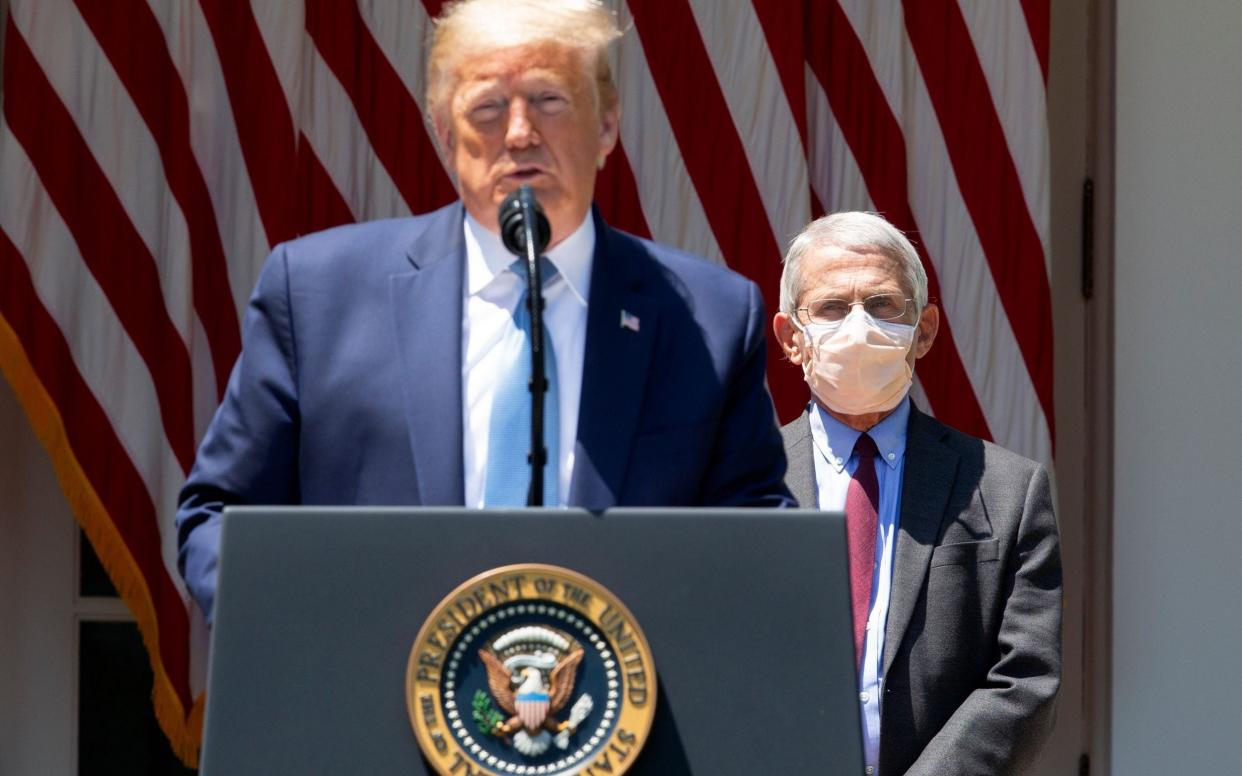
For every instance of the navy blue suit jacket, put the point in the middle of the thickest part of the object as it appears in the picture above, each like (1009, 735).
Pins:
(349, 386)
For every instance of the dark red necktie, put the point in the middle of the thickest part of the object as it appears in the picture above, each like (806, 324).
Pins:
(862, 504)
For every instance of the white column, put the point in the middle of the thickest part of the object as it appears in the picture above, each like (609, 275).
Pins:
(38, 665)
(1177, 528)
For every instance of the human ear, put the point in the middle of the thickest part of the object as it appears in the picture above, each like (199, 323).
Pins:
(929, 324)
(609, 129)
(788, 336)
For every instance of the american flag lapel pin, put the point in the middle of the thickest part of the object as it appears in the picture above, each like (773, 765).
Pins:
(629, 321)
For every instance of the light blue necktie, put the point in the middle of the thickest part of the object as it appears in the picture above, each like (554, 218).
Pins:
(508, 470)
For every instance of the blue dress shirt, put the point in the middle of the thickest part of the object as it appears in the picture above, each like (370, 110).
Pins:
(835, 463)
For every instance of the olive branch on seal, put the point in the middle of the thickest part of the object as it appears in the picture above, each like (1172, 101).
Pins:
(485, 714)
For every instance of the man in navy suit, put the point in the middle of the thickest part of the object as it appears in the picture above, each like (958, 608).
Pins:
(377, 356)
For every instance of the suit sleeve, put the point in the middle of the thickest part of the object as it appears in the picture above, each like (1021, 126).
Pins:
(249, 454)
(1002, 725)
(748, 461)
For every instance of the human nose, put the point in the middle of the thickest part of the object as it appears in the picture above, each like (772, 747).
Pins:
(520, 131)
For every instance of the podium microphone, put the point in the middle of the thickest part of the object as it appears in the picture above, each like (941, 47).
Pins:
(525, 231)
(519, 214)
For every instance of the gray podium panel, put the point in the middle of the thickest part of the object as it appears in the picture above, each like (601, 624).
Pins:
(746, 612)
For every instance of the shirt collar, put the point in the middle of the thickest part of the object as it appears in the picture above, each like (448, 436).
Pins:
(487, 257)
(835, 441)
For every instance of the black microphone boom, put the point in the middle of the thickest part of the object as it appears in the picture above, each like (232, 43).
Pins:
(526, 232)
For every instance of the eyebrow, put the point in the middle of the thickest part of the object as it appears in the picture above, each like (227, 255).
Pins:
(863, 293)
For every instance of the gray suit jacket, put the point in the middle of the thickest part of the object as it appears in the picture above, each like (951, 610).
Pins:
(972, 649)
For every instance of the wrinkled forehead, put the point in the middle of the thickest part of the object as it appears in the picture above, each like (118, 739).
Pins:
(543, 61)
(849, 272)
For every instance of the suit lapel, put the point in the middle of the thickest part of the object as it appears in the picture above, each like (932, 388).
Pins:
(614, 370)
(800, 453)
(930, 469)
(427, 312)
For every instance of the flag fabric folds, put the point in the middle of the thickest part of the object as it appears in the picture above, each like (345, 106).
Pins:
(152, 153)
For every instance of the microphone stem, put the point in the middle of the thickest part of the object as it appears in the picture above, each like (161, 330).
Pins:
(538, 381)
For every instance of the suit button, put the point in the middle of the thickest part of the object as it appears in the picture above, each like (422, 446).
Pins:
(870, 770)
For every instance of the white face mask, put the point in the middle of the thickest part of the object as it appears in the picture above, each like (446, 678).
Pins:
(857, 366)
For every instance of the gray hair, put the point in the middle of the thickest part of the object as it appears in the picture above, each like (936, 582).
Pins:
(852, 231)
(470, 27)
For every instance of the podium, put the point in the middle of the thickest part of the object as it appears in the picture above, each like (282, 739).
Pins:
(746, 613)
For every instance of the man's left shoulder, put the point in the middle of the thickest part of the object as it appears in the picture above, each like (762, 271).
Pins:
(994, 466)
(687, 273)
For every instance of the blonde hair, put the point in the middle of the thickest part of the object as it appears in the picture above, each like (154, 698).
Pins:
(471, 27)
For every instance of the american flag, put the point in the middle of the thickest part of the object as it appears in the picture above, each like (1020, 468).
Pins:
(153, 151)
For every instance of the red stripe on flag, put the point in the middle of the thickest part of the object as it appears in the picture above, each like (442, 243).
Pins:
(616, 194)
(109, 245)
(95, 446)
(1039, 22)
(264, 125)
(133, 41)
(782, 25)
(717, 163)
(839, 62)
(988, 180)
(817, 207)
(321, 204)
(388, 113)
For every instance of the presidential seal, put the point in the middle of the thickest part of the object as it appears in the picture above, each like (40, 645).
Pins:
(531, 670)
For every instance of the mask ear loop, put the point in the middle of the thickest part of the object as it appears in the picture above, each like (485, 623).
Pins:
(806, 356)
(808, 338)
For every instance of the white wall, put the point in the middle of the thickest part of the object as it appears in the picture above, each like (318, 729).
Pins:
(37, 620)
(1177, 546)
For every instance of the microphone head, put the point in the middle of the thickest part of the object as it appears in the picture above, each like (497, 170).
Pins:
(512, 222)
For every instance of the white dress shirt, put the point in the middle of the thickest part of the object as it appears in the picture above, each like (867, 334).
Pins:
(835, 463)
(491, 294)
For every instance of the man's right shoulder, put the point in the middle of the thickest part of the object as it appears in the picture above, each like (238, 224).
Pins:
(372, 242)
(795, 431)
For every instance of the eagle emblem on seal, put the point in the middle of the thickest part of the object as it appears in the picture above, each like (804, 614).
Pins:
(531, 672)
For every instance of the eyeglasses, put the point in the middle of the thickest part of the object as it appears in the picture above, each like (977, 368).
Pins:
(882, 307)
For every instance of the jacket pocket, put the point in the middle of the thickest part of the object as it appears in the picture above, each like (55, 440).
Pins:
(966, 553)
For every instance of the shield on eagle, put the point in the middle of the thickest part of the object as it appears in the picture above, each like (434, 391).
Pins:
(532, 708)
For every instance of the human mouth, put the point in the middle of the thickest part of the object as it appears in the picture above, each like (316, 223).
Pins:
(525, 174)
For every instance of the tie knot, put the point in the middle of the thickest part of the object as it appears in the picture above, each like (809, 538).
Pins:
(865, 447)
(547, 271)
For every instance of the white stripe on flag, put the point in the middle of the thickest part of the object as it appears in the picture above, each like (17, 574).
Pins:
(213, 138)
(282, 25)
(670, 203)
(102, 351)
(399, 29)
(835, 176)
(1016, 82)
(337, 137)
(118, 139)
(752, 88)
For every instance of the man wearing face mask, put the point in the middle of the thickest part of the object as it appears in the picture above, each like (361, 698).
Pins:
(955, 570)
